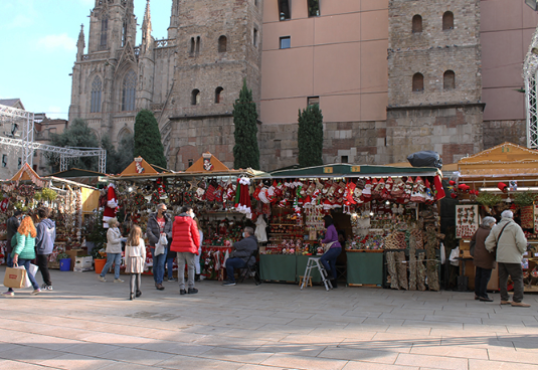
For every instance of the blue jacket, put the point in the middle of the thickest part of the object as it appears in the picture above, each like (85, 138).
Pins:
(46, 234)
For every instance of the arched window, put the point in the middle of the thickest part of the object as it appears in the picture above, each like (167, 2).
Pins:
(418, 82)
(104, 31)
(218, 95)
(97, 86)
(223, 41)
(195, 97)
(192, 46)
(448, 21)
(449, 80)
(417, 23)
(129, 90)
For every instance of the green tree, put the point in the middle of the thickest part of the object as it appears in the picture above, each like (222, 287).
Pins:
(118, 160)
(246, 151)
(147, 139)
(78, 134)
(111, 155)
(125, 152)
(310, 136)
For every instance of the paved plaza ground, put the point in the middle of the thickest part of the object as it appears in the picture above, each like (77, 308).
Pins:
(86, 324)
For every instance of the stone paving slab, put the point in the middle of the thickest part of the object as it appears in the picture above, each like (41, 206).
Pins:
(86, 324)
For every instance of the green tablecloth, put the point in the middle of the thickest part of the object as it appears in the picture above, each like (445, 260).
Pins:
(365, 268)
(278, 267)
(302, 260)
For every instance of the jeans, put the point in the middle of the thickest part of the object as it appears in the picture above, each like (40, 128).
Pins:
(329, 260)
(158, 266)
(481, 280)
(136, 280)
(513, 270)
(43, 264)
(9, 260)
(187, 257)
(112, 258)
(26, 264)
(170, 268)
(197, 261)
(231, 264)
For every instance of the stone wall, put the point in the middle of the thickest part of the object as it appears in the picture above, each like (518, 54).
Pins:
(361, 142)
(497, 132)
(452, 131)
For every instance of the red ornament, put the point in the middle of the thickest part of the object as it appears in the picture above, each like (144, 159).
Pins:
(453, 195)
(502, 186)
(451, 182)
(464, 187)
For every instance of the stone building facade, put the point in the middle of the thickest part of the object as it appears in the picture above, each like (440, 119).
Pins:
(391, 76)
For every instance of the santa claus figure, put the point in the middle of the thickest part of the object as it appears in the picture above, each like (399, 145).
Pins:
(111, 205)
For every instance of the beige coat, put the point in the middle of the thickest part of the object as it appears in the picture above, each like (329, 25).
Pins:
(113, 241)
(512, 244)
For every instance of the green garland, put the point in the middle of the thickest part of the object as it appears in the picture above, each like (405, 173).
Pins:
(488, 199)
(525, 198)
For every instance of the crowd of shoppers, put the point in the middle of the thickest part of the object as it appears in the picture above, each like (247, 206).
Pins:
(27, 243)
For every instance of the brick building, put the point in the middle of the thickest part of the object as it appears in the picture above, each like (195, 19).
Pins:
(391, 76)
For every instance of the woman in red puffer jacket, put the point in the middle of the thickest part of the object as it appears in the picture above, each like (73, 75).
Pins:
(185, 241)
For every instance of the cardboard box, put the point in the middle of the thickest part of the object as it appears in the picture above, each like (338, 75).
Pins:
(73, 253)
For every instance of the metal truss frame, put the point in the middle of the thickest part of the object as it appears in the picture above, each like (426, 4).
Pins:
(28, 145)
(530, 75)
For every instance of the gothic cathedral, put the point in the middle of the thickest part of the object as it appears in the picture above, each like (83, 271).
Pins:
(190, 80)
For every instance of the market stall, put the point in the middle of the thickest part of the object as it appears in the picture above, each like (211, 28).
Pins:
(219, 196)
(500, 178)
(67, 200)
(386, 216)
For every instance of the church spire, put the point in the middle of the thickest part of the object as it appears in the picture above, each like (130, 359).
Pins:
(146, 25)
(174, 20)
(81, 44)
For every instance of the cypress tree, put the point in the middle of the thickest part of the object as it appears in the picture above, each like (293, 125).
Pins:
(246, 151)
(310, 136)
(147, 139)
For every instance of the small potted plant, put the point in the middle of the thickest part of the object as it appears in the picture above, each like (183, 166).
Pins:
(65, 261)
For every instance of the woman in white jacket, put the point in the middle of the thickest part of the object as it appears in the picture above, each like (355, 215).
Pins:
(113, 251)
(135, 258)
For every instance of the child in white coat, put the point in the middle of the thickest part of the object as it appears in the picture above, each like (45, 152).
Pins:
(135, 258)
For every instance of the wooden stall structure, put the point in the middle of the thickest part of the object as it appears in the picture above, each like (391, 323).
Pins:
(505, 177)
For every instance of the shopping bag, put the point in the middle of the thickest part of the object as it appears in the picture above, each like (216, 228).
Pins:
(14, 277)
(161, 245)
(33, 270)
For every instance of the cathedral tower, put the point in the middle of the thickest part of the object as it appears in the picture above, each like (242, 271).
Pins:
(218, 46)
(435, 79)
(105, 80)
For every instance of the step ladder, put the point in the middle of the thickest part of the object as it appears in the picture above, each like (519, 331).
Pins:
(312, 263)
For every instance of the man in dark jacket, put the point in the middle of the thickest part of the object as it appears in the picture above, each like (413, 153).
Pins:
(240, 255)
(159, 223)
(44, 243)
(12, 226)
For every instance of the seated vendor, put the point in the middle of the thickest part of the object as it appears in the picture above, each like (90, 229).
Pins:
(242, 254)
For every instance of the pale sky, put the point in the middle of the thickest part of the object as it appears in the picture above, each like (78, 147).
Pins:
(38, 48)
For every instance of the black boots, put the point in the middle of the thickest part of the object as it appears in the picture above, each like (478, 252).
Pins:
(196, 278)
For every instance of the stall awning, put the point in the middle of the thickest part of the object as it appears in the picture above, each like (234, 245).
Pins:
(506, 159)
(353, 171)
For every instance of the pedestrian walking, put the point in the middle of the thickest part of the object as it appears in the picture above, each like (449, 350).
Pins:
(186, 241)
(508, 241)
(12, 226)
(198, 268)
(46, 235)
(328, 259)
(159, 223)
(113, 251)
(135, 258)
(483, 259)
(24, 251)
(242, 255)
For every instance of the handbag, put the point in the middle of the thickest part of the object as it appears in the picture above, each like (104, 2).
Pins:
(161, 245)
(14, 277)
